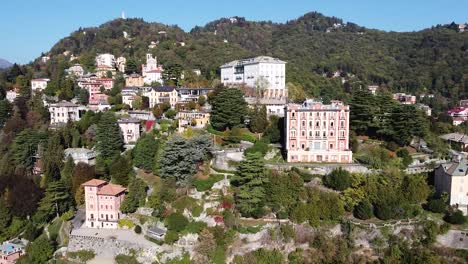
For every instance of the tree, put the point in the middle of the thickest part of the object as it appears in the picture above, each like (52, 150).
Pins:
(339, 179)
(57, 200)
(53, 159)
(250, 178)
(25, 146)
(455, 217)
(437, 206)
(180, 157)
(131, 66)
(415, 188)
(273, 131)
(201, 100)
(176, 222)
(39, 251)
(363, 210)
(258, 119)
(296, 92)
(282, 191)
(136, 196)
(81, 174)
(144, 152)
(228, 109)
(109, 139)
(5, 215)
(5, 112)
(170, 114)
(67, 172)
(137, 103)
(406, 158)
(120, 170)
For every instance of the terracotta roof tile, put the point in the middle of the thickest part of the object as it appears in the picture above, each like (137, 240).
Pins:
(111, 189)
(94, 182)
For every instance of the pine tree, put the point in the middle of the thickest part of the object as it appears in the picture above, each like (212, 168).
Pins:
(121, 170)
(57, 200)
(109, 139)
(136, 196)
(144, 152)
(66, 174)
(5, 215)
(5, 112)
(250, 178)
(228, 109)
(53, 159)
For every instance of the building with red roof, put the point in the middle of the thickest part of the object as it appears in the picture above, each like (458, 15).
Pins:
(102, 201)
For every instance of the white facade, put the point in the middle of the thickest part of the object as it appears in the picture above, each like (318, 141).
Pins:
(452, 178)
(130, 128)
(76, 70)
(105, 59)
(11, 95)
(38, 85)
(62, 112)
(159, 95)
(151, 71)
(121, 61)
(267, 72)
(83, 155)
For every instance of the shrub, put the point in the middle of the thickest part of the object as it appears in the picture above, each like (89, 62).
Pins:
(260, 146)
(195, 227)
(363, 210)
(338, 179)
(455, 217)
(288, 233)
(384, 211)
(82, 256)
(205, 184)
(176, 222)
(171, 237)
(137, 229)
(197, 210)
(126, 223)
(124, 259)
(437, 206)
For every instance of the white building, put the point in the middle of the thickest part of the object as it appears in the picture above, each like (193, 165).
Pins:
(75, 70)
(452, 178)
(121, 61)
(151, 71)
(83, 155)
(105, 59)
(62, 112)
(38, 85)
(11, 95)
(130, 128)
(273, 106)
(259, 71)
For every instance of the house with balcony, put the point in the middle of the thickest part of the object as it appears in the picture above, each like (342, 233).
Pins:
(317, 132)
(62, 112)
(130, 128)
(102, 203)
(161, 94)
(194, 119)
(38, 85)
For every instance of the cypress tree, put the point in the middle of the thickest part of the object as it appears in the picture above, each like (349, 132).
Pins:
(228, 109)
(109, 139)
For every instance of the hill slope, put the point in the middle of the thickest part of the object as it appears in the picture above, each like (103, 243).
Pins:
(5, 64)
(431, 60)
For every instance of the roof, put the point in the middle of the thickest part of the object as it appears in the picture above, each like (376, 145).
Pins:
(457, 110)
(94, 183)
(70, 151)
(254, 60)
(111, 189)
(163, 88)
(157, 230)
(265, 101)
(457, 168)
(456, 137)
(128, 120)
(154, 71)
(40, 80)
(64, 104)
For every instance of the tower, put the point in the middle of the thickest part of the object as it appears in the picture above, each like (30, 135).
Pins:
(123, 14)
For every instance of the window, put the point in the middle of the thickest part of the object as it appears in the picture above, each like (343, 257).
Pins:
(324, 133)
(303, 123)
(342, 124)
(106, 207)
(302, 146)
(293, 133)
(317, 124)
(102, 215)
(331, 124)
(324, 124)
(331, 146)
(331, 133)
(310, 124)
(91, 206)
(303, 133)
(310, 133)
(342, 134)
(292, 114)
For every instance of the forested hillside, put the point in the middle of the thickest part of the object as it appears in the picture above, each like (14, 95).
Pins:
(433, 60)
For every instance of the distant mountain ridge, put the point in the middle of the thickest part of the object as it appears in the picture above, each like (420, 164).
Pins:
(5, 64)
(315, 46)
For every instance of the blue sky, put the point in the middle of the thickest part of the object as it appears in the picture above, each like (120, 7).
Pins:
(30, 27)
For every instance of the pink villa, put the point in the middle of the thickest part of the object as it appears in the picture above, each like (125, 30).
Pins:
(316, 132)
(103, 202)
(108, 83)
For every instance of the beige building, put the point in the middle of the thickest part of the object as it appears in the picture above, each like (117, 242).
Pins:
(134, 80)
(159, 95)
(62, 112)
(452, 179)
(195, 119)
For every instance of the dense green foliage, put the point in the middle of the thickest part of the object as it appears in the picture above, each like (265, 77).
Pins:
(229, 110)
